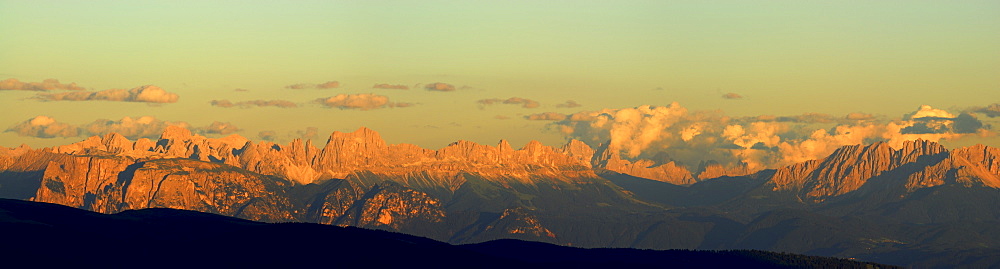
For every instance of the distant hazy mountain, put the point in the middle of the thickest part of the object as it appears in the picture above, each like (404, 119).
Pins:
(918, 205)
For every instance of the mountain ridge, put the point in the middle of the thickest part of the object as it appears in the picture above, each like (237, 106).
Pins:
(571, 195)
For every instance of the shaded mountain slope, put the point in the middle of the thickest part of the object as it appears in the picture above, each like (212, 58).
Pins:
(53, 235)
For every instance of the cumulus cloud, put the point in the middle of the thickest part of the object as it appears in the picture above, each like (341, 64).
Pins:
(732, 95)
(363, 101)
(525, 103)
(129, 127)
(141, 127)
(222, 128)
(693, 137)
(45, 85)
(439, 86)
(391, 86)
(44, 127)
(254, 103)
(147, 94)
(569, 104)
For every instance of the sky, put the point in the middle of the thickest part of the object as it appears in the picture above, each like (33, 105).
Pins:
(736, 80)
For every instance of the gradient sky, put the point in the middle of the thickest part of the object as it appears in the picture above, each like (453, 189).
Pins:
(885, 58)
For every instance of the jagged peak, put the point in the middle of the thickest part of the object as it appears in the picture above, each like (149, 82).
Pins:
(923, 146)
(361, 133)
(576, 144)
(176, 132)
(533, 145)
(112, 136)
(234, 140)
(504, 146)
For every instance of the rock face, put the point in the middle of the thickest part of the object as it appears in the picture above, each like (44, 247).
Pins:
(670, 172)
(347, 153)
(712, 169)
(109, 184)
(390, 205)
(923, 164)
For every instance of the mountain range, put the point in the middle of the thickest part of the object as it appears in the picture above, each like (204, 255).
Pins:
(919, 205)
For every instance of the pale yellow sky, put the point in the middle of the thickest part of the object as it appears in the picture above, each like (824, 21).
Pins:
(784, 57)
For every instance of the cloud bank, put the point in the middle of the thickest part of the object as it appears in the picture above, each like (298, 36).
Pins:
(131, 128)
(45, 85)
(147, 94)
(363, 101)
(693, 137)
(141, 127)
(44, 127)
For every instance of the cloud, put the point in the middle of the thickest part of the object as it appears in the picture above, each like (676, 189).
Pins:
(299, 86)
(147, 94)
(267, 135)
(45, 85)
(363, 101)
(926, 111)
(328, 85)
(692, 137)
(569, 104)
(308, 133)
(325, 85)
(391, 86)
(525, 103)
(44, 127)
(47, 127)
(991, 111)
(141, 127)
(439, 86)
(131, 128)
(804, 118)
(254, 103)
(732, 95)
(546, 116)
(856, 116)
(222, 128)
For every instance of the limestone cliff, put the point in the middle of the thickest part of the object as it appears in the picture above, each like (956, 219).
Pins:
(923, 164)
(347, 153)
(610, 158)
(110, 184)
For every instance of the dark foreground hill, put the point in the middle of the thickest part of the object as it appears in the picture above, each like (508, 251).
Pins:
(49, 235)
